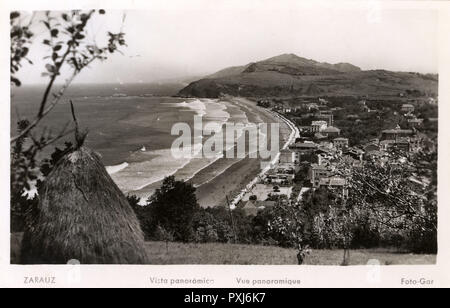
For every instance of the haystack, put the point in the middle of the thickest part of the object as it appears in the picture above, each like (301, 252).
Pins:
(83, 215)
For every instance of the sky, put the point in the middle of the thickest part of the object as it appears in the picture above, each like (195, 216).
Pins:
(180, 42)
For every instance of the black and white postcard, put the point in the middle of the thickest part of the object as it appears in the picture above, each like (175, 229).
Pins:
(267, 143)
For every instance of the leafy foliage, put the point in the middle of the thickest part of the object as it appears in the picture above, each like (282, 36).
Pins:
(21, 36)
(172, 207)
(67, 46)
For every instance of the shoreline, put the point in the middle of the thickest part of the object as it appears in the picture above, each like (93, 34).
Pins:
(215, 179)
(131, 169)
(293, 135)
(241, 175)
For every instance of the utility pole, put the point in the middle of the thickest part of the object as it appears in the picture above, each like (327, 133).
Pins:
(232, 221)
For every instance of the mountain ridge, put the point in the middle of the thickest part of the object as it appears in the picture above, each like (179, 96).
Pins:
(289, 75)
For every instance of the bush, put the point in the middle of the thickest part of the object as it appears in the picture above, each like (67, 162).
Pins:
(172, 207)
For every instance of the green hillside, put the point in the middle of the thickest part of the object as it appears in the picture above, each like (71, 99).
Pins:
(290, 75)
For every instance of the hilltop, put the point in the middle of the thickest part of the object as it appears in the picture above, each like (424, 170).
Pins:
(289, 75)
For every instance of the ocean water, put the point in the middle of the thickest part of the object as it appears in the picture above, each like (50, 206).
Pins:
(130, 127)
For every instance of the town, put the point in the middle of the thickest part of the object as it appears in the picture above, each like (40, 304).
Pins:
(333, 132)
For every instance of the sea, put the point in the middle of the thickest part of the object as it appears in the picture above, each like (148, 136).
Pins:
(130, 127)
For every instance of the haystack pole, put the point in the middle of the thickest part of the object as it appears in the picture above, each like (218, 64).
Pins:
(83, 215)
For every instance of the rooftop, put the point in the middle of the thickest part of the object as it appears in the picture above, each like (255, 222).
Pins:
(331, 129)
(250, 205)
(397, 131)
(375, 153)
(303, 145)
(333, 181)
(318, 167)
(387, 142)
(266, 204)
(319, 123)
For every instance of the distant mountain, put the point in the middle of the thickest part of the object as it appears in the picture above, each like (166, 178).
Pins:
(230, 71)
(291, 75)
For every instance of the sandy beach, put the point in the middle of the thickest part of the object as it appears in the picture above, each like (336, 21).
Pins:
(235, 178)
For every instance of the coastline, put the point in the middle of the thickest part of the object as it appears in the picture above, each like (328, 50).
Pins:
(240, 176)
(215, 179)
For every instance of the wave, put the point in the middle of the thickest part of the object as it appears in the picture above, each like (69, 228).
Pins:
(148, 168)
(143, 170)
(196, 105)
(117, 168)
(218, 173)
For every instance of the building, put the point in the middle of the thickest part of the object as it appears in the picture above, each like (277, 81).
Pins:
(372, 146)
(318, 172)
(353, 117)
(393, 134)
(312, 106)
(407, 108)
(323, 101)
(318, 126)
(340, 143)
(331, 131)
(401, 144)
(283, 174)
(280, 179)
(335, 182)
(326, 145)
(415, 122)
(354, 153)
(302, 148)
(386, 144)
(374, 155)
(250, 208)
(325, 115)
(287, 156)
(319, 136)
(265, 204)
(415, 144)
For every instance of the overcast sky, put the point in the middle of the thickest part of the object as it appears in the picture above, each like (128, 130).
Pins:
(174, 43)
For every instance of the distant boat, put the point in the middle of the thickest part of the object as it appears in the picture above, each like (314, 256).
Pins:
(143, 149)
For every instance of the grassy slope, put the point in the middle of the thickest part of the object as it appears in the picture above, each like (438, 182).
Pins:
(254, 255)
(270, 83)
(260, 255)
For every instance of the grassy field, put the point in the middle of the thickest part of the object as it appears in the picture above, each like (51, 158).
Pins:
(178, 253)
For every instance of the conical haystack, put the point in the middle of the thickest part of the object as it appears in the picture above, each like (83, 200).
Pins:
(83, 216)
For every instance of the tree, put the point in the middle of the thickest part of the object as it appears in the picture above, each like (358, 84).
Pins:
(204, 227)
(253, 198)
(173, 207)
(68, 47)
(162, 234)
(287, 222)
(400, 197)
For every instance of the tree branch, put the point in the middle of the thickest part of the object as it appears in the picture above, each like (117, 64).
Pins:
(40, 116)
